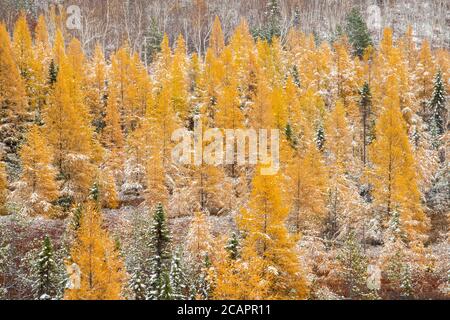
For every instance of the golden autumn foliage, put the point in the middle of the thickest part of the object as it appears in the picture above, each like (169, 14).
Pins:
(95, 253)
(12, 89)
(69, 131)
(3, 189)
(267, 246)
(307, 182)
(394, 174)
(199, 243)
(38, 189)
(217, 42)
(96, 115)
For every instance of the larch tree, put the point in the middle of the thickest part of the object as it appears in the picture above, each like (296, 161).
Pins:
(3, 189)
(37, 188)
(268, 243)
(178, 81)
(425, 71)
(42, 57)
(12, 89)
(135, 173)
(338, 145)
(108, 189)
(394, 174)
(306, 179)
(96, 87)
(112, 135)
(25, 58)
(95, 253)
(156, 179)
(199, 240)
(69, 132)
(345, 74)
(365, 107)
(216, 40)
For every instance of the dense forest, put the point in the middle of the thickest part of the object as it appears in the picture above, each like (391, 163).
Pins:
(93, 206)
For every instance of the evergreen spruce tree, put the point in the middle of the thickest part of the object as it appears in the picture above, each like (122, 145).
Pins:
(233, 246)
(406, 284)
(365, 104)
(52, 73)
(159, 244)
(272, 27)
(46, 283)
(290, 136)
(358, 33)
(166, 287)
(153, 39)
(177, 278)
(273, 14)
(398, 272)
(137, 285)
(438, 108)
(320, 136)
(296, 76)
(202, 285)
(354, 268)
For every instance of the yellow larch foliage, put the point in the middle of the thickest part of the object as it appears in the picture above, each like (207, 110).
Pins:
(112, 135)
(338, 139)
(165, 57)
(425, 72)
(161, 122)
(229, 113)
(38, 187)
(341, 199)
(241, 44)
(199, 240)
(41, 33)
(42, 51)
(279, 108)
(179, 81)
(138, 92)
(237, 279)
(108, 191)
(211, 81)
(409, 50)
(76, 59)
(311, 107)
(345, 73)
(3, 189)
(69, 132)
(291, 96)
(95, 253)
(271, 57)
(394, 175)
(260, 114)
(12, 89)
(268, 244)
(23, 47)
(59, 47)
(23, 54)
(96, 84)
(217, 41)
(120, 78)
(156, 180)
(306, 180)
